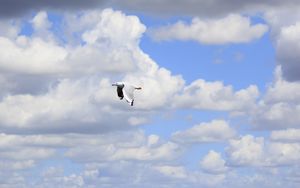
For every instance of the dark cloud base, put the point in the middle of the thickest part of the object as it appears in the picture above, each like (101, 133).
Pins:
(14, 8)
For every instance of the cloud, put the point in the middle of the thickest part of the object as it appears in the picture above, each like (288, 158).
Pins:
(172, 171)
(215, 96)
(44, 46)
(275, 116)
(55, 176)
(280, 106)
(214, 131)
(283, 153)
(115, 152)
(9, 28)
(65, 108)
(100, 158)
(247, 150)
(258, 152)
(282, 90)
(15, 8)
(70, 72)
(212, 8)
(231, 29)
(288, 135)
(287, 49)
(213, 163)
(58, 110)
(85, 148)
(284, 27)
(16, 165)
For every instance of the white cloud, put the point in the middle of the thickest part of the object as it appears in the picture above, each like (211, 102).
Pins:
(31, 56)
(68, 102)
(287, 49)
(16, 165)
(162, 152)
(72, 102)
(153, 140)
(55, 176)
(247, 150)
(284, 28)
(106, 147)
(283, 153)
(213, 163)
(43, 54)
(279, 115)
(42, 25)
(24, 152)
(172, 171)
(288, 135)
(215, 96)
(231, 29)
(258, 152)
(280, 106)
(281, 90)
(107, 49)
(9, 28)
(214, 131)
(134, 121)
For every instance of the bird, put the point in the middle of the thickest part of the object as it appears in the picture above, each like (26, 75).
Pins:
(126, 90)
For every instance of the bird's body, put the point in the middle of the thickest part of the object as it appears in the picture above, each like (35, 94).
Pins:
(125, 90)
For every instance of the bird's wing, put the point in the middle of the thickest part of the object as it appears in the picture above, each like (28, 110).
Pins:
(128, 92)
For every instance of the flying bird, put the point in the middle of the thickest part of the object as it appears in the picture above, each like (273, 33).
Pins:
(125, 90)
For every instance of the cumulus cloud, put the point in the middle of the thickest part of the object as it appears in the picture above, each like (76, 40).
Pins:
(105, 147)
(214, 131)
(61, 104)
(172, 171)
(104, 158)
(287, 49)
(9, 28)
(280, 106)
(215, 96)
(283, 153)
(276, 116)
(284, 27)
(57, 111)
(69, 70)
(288, 135)
(247, 150)
(213, 163)
(43, 54)
(231, 29)
(112, 152)
(259, 152)
(282, 90)
(55, 176)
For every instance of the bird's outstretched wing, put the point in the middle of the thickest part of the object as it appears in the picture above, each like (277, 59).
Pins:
(128, 92)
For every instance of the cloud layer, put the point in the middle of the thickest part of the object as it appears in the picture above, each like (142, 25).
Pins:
(231, 29)
(61, 120)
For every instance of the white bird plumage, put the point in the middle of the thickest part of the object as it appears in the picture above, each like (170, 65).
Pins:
(126, 90)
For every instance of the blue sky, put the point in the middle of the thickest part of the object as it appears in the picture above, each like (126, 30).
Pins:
(219, 106)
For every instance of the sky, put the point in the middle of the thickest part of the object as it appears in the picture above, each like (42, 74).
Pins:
(219, 105)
